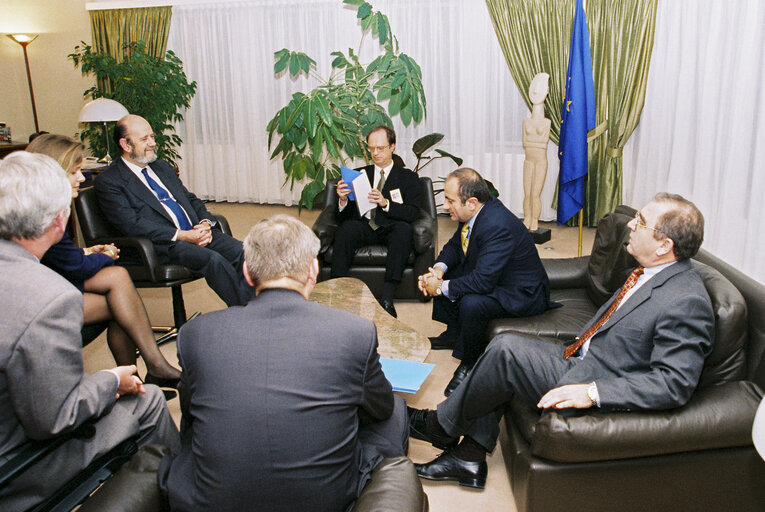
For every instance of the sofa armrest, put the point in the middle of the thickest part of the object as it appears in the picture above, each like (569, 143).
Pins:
(394, 486)
(424, 233)
(325, 227)
(715, 417)
(567, 272)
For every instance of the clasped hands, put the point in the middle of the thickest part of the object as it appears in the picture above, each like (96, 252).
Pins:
(200, 235)
(374, 195)
(110, 250)
(430, 282)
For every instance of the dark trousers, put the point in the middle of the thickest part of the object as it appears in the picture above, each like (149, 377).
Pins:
(512, 365)
(220, 263)
(353, 234)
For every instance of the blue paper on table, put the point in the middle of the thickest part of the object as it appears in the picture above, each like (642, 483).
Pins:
(405, 376)
(348, 176)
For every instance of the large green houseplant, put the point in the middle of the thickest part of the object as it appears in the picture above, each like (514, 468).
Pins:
(327, 126)
(156, 89)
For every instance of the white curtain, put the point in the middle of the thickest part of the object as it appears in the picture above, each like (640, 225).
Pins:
(699, 134)
(228, 47)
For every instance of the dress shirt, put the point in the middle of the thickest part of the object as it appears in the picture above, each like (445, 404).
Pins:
(375, 180)
(445, 284)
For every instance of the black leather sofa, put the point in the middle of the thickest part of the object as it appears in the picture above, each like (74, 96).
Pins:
(696, 457)
(369, 261)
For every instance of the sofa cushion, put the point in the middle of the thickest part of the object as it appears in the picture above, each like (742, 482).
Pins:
(610, 263)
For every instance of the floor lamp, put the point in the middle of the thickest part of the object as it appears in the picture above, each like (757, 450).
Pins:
(24, 40)
(103, 110)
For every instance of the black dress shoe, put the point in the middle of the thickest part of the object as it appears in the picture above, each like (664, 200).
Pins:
(419, 430)
(448, 466)
(387, 305)
(442, 342)
(459, 375)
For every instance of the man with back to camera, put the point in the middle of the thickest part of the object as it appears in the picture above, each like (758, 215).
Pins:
(43, 390)
(397, 193)
(490, 268)
(644, 349)
(142, 196)
(289, 408)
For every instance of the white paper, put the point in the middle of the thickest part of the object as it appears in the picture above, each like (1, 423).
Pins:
(361, 189)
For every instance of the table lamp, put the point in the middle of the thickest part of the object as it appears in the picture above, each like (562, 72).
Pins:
(103, 110)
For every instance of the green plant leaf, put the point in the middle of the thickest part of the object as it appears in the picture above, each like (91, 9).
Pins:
(322, 107)
(283, 57)
(457, 160)
(365, 10)
(309, 118)
(425, 143)
(406, 115)
(382, 27)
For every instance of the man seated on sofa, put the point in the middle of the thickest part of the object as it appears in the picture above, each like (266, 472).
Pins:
(142, 196)
(289, 408)
(397, 193)
(43, 390)
(644, 349)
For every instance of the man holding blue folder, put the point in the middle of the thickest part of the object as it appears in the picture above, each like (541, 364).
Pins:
(396, 191)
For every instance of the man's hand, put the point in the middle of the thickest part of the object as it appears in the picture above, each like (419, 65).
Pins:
(200, 235)
(568, 396)
(130, 384)
(110, 250)
(342, 193)
(376, 197)
(429, 283)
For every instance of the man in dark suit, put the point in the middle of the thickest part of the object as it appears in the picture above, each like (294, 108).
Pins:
(43, 390)
(490, 268)
(644, 349)
(289, 408)
(397, 193)
(142, 196)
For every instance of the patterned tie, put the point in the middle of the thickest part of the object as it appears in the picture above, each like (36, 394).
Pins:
(631, 280)
(164, 197)
(464, 237)
(380, 185)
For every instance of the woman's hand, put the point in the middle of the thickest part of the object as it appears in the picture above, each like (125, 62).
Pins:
(110, 250)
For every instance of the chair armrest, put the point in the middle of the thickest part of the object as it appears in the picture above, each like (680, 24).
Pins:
(394, 486)
(715, 417)
(567, 272)
(141, 247)
(325, 227)
(222, 223)
(424, 233)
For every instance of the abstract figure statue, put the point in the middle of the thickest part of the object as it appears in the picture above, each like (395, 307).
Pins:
(536, 133)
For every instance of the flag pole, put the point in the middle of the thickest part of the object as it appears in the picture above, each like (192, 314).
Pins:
(581, 221)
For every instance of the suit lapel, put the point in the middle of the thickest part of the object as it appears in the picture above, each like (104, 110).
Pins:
(137, 187)
(172, 183)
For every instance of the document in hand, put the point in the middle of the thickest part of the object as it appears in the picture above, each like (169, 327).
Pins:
(361, 187)
(348, 176)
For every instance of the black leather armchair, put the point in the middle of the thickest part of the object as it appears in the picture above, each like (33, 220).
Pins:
(696, 457)
(369, 261)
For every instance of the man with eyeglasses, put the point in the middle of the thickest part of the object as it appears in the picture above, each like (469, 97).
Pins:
(644, 349)
(397, 193)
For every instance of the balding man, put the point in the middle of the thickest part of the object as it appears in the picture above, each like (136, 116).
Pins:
(142, 196)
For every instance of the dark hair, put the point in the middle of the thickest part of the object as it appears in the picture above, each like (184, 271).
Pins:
(471, 184)
(683, 224)
(388, 131)
(120, 132)
(34, 135)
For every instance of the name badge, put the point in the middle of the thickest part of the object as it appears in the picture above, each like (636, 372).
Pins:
(395, 196)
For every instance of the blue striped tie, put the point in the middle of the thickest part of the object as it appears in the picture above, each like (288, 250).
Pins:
(164, 197)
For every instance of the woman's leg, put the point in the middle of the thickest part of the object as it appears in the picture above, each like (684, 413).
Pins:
(126, 308)
(120, 344)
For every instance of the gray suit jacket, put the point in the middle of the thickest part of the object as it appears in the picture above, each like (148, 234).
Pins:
(272, 394)
(650, 353)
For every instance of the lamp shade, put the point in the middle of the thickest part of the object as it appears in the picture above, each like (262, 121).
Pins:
(102, 109)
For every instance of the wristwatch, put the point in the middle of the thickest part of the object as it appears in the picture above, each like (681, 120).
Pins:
(438, 290)
(592, 394)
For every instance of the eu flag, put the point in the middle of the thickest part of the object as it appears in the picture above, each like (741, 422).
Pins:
(578, 117)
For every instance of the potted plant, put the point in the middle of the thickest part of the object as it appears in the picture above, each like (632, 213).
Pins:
(327, 126)
(156, 89)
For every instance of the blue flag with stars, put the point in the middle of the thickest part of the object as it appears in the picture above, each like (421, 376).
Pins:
(577, 118)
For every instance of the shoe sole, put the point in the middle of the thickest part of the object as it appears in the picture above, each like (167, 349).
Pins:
(473, 483)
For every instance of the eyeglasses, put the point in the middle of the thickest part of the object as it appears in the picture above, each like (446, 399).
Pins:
(375, 149)
(639, 223)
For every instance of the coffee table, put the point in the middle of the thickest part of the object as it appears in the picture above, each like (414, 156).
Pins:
(397, 341)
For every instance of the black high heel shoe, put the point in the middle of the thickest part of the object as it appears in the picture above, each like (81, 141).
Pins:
(168, 385)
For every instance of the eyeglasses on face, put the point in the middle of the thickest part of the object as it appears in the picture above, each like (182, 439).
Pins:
(375, 149)
(640, 223)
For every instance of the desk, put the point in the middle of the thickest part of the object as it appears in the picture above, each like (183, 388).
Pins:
(397, 341)
(9, 147)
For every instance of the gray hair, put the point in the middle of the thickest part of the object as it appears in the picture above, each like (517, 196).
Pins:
(280, 246)
(33, 191)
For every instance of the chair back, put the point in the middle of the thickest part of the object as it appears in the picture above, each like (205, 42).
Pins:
(92, 222)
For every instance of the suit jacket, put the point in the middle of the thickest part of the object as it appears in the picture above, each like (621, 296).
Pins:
(272, 396)
(134, 210)
(399, 178)
(501, 262)
(71, 262)
(650, 353)
(43, 390)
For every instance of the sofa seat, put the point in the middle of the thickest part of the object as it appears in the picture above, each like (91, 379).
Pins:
(368, 256)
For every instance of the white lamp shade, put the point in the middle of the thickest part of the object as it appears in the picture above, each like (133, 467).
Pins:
(102, 109)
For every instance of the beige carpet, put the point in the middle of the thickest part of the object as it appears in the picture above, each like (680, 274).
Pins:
(443, 496)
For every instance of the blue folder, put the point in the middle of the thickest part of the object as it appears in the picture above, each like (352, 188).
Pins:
(405, 376)
(348, 176)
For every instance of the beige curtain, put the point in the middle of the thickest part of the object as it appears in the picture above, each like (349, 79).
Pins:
(113, 28)
(535, 37)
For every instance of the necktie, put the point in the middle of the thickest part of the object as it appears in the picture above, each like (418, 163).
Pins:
(631, 280)
(380, 185)
(164, 197)
(464, 237)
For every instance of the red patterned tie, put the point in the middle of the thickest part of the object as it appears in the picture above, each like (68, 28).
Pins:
(631, 280)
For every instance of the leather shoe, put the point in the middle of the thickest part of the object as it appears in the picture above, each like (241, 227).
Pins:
(442, 342)
(460, 373)
(388, 307)
(168, 385)
(418, 429)
(448, 466)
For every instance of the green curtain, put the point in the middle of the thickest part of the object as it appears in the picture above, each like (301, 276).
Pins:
(113, 28)
(535, 35)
